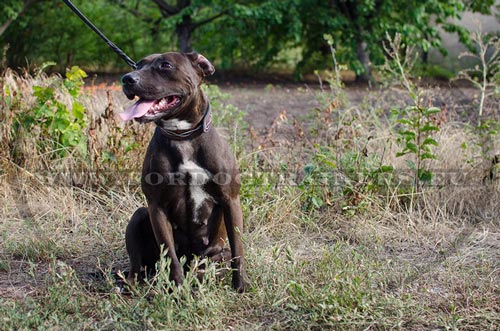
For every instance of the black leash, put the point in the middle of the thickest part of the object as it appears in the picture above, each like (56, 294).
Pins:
(115, 48)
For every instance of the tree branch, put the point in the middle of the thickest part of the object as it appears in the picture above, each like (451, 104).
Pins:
(9, 21)
(4, 26)
(166, 8)
(136, 12)
(208, 20)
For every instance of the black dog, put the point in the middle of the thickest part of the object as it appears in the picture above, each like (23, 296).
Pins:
(189, 175)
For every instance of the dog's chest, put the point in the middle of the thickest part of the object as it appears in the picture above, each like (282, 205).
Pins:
(175, 177)
(195, 178)
(194, 202)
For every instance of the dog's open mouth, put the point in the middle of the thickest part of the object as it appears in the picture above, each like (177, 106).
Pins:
(150, 107)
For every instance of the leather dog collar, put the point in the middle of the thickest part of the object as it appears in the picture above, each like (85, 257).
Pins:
(203, 126)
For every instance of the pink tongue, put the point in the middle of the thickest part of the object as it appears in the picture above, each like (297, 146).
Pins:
(138, 109)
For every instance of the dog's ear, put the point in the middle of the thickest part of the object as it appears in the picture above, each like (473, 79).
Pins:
(201, 63)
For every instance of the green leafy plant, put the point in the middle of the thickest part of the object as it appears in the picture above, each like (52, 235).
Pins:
(60, 128)
(351, 177)
(416, 123)
(415, 137)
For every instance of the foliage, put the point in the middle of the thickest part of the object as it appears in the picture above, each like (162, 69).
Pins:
(52, 32)
(11, 10)
(183, 18)
(255, 33)
(353, 23)
(417, 122)
(482, 6)
(415, 137)
(434, 71)
(351, 178)
(235, 33)
(61, 127)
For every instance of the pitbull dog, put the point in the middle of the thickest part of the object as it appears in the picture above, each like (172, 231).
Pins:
(189, 175)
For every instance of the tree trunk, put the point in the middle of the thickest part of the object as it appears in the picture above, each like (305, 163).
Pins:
(184, 34)
(425, 57)
(364, 57)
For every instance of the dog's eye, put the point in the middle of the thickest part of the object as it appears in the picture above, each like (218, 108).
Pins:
(166, 65)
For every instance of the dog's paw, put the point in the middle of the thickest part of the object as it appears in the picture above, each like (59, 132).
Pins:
(239, 284)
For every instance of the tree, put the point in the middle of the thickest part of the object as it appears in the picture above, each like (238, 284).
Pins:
(253, 34)
(480, 6)
(259, 30)
(50, 31)
(249, 33)
(359, 26)
(251, 30)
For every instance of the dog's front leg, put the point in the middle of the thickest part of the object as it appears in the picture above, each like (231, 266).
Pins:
(164, 235)
(233, 219)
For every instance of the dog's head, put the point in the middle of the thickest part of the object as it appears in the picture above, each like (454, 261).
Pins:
(165, 85)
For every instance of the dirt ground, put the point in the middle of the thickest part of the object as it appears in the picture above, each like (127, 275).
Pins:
(262, 103)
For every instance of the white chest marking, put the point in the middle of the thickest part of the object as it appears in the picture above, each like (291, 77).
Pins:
(175, 124)
(198, 177)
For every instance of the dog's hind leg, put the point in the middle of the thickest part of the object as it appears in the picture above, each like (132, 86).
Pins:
(216, 234)
(141, 244)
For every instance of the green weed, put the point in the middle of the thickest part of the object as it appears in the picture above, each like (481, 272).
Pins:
(60, 128)
(417, 130)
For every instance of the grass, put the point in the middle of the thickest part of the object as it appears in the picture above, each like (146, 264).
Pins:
(332, 243)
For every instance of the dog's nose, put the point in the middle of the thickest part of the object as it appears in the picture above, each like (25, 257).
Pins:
(130, 79)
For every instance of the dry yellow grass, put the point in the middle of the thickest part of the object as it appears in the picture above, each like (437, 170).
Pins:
(367, 259)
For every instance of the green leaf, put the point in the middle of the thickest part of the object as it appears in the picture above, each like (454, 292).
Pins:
(43, 94)
(431, 110)
(78, 111)
(412, 147)
(60, 124)
(309, 168)
(411, 164)
(69, 138)
(429, 127)
(317, 202)
(405, 121)
(329, 163)
(425, 148)
(430, 141)
(426, 156)
(386, 168)
(402, 153)
(75, 74)
(424, 175)
(409, 135)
